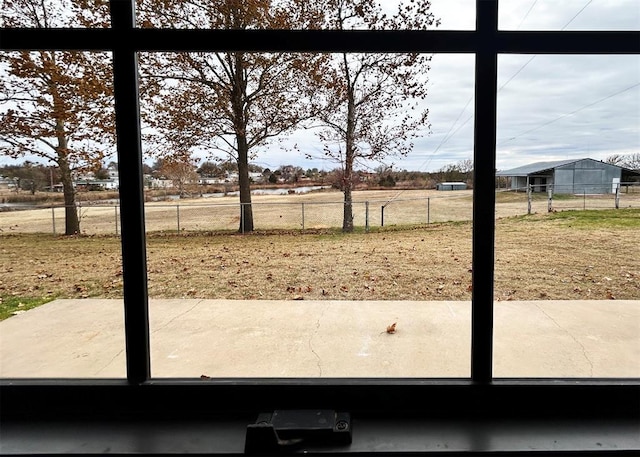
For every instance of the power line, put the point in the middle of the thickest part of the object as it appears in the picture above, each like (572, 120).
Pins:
(527, 15)
(576, 15)
(572, 112)
(521, 68)
(517, 72)
(447, 137)
(534, 56)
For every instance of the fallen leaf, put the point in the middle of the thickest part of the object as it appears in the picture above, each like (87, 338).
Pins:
(391, 328)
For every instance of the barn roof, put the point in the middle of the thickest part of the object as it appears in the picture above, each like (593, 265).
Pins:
(538, 167)
(535, 168)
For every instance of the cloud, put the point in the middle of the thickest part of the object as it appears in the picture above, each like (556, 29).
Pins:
(549, 106)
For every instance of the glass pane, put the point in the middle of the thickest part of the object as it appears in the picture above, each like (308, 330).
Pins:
(568, 208)
(301, 14)
(55, 14)
(296, 296)
(569, 15)
(61, 271)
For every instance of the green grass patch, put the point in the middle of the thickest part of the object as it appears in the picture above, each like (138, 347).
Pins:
(608, 218)
(510, 197)
(628, 218)
(12, 305)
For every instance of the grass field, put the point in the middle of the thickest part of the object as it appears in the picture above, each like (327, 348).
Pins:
(564, 255)
(319, 210)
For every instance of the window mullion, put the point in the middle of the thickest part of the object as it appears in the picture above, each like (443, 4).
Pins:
(484, 191)
(134, 261)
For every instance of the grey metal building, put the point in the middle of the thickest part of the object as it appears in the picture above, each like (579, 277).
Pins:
(451, 186)
(569, 176)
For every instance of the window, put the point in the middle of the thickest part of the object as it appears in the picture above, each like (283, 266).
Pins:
(578, 280)
(502, 403)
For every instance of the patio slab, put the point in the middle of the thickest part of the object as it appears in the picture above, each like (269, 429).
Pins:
(84, 338)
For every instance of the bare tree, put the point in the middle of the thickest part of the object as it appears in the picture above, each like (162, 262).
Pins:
(372, 101)
(614, 159)
(631, 161)
(181, 171)
(229, 103)
(57, 106)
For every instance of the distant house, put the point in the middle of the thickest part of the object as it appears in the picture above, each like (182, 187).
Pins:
(8, 183)
(451, 186)
(208, 180)
(569, 176)
(96, 184)
(256, 176)
(159, 183)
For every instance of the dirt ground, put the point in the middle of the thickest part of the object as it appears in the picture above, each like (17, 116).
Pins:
(565, 255)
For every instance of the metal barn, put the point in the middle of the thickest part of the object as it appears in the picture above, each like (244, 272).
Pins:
(587, 176)
(451, 186)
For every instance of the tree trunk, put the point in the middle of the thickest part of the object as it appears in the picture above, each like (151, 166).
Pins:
(347, 177)
(238, 98)
(246, 212)
(347, 188)
(71, 220)
(347, 220)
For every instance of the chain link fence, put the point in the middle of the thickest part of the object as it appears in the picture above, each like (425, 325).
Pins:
(179, 216)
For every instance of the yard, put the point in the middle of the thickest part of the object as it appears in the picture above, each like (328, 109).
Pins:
(549, 256)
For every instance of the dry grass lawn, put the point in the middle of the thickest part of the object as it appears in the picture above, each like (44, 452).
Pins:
(565, 255)
(313, 211)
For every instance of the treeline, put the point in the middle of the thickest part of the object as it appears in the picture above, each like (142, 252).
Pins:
(33, 177)
(29, 176)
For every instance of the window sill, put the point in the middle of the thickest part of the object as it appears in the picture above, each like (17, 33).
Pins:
(371, 436)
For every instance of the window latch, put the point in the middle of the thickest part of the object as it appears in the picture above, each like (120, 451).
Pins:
(292, 430)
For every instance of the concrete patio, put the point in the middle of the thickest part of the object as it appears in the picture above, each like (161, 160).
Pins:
(84, 338)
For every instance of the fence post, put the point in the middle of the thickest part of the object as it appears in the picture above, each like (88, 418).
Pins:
(302, 216)
(382, 216)
(428, 210)
(584, 199)
(115, 207)
(178, 216)
(241, 218)
(617, 199)
(53, 219)
(529, 199)
(550, 199)
(366, 217)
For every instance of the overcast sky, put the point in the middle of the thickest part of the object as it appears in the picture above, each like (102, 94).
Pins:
(549, 107)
